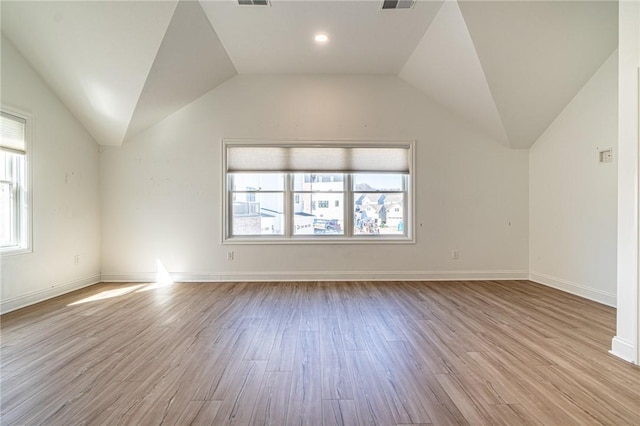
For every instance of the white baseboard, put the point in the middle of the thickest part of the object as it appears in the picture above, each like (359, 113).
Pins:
(13, 303)
(322, 276)
(623, 349)
(139, 277)
(596, 295)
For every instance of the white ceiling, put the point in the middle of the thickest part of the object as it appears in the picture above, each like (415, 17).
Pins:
(508, 67)
(279, 39)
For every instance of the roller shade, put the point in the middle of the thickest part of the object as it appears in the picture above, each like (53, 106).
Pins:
(318, 158)
(12, 133)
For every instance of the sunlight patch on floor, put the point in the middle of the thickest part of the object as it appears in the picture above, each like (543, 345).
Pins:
(108, 294)
(163, 280)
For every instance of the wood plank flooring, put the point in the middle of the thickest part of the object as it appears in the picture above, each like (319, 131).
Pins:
(324, 353)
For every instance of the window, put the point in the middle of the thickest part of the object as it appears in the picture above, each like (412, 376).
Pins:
(317, 191)
(14, 184)
(251, 194)
(257, 204)
(379, 202)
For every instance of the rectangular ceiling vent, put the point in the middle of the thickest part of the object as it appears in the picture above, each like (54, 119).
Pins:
(253, 2)
(398, 4)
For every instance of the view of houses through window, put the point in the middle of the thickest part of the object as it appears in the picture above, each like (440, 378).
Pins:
(379, 202)
(320, 204)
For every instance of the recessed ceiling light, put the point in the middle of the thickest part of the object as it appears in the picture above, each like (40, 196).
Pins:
(321, 38)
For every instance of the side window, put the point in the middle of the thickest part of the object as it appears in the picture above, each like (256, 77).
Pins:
(15, 221)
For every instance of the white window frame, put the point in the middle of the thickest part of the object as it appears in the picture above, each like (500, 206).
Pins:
(409, 236)
(24, 217)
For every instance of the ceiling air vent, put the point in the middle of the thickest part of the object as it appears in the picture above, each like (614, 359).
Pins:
(398, 4)
(254, 2)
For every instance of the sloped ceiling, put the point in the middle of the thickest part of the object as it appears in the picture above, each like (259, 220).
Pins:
(119, 66)
(536, 56)
(191, 61)
(94, 55)
(508, 67)
(445, 67)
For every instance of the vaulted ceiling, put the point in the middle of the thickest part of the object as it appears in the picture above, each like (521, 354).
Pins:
(508, 67)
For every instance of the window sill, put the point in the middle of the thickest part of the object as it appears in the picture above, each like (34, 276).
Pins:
(15, 251)
(320, 240)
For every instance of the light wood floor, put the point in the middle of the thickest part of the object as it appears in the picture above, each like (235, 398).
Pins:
(367, 353)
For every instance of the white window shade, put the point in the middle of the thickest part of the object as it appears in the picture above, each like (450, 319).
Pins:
(12, 133)
(318, 158)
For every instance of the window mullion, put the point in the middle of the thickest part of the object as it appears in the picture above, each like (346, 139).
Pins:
(229, 219)
(16, 211)
(348, 207)
(289, 214)
(408, 207)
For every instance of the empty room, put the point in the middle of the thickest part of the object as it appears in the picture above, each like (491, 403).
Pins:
(369, 212)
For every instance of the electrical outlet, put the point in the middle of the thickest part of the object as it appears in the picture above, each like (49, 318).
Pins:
(455, 255)
(230, 255)
(605, 155)
(76, 259)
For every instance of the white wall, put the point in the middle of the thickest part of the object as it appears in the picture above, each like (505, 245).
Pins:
(625, 343)
(573, 198)
(161, 192)
(66, 214)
